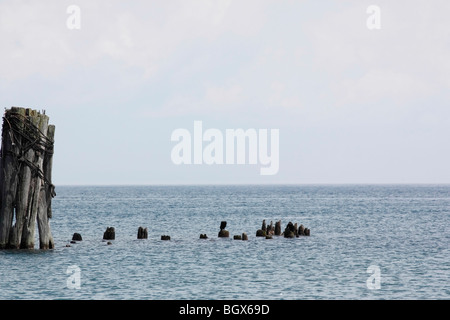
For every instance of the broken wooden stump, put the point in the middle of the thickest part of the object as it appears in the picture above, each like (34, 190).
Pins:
(77, 237)
(260, 233)
(263, 231)
(165, 237)
(270, 229)
(223, 233)
(223, 225)
(307, 232)
(142, 233)
(290, 231)
(26, 189)
(263, 227)
(203, 236)
(109, 234)
(244, 236)
(301, 230)
(278, 228)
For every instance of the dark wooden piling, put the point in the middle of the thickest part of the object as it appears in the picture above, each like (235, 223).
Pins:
(270, 229)
(301, 230)
(223, 233)
(263, 226)
(278, 228)
(26, 189)
(77, 237)
(289, 231)
(260, 233)
(109, 234)
(142, 233)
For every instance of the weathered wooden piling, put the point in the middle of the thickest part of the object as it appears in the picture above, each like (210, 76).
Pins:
(301, 230)
(109, 234)
(142, 233)
(223, 233)
(260, 233)
(26, 187)
(290, 230)
(263, 227)
(278, 228)
(270, 229)
(77, 237)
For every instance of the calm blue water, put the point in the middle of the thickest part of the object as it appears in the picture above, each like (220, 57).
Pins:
(402, 230)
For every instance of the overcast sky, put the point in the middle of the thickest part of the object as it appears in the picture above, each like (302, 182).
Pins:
(352, 105)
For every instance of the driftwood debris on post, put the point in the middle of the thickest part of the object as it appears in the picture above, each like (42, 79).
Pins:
(26, 189)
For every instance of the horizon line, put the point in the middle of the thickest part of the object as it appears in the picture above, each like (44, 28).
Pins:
(251, 184)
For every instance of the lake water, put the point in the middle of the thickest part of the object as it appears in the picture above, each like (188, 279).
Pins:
(363, 237)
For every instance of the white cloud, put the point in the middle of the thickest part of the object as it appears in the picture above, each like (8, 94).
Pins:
(215, 99)
(378, 84)
(35, 39)
(30, 40)
(223, 96)
(406, 60)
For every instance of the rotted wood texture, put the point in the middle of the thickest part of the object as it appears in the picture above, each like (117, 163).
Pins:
(26, 189)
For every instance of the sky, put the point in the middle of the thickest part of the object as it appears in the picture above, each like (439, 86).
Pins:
(351, 103)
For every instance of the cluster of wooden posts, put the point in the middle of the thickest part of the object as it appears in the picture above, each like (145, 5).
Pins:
(291, 231)
(26, 187)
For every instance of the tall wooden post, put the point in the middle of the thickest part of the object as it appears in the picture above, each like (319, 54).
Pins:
(26, 189)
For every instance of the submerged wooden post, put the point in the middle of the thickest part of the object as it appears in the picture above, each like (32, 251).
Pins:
(26, 189)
